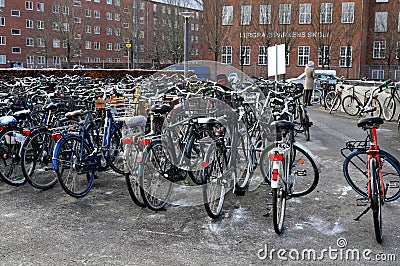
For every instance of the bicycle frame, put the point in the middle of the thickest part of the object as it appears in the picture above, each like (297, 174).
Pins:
(373, 152)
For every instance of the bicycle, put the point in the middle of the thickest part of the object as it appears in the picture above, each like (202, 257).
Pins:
(290, 169)
(371, 172)
(353, 106)
(333, 99)
(389, 104)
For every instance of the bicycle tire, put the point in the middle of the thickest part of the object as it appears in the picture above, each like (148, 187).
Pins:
(378, 109)
(389, 108)
(155, 188)
(333, 101)
(303, 168)
(305, 123)
(10, 165)
(278, 208)
(356, 175)
(133, 159)
(376, 200)
(316, 96)
(116, 150)
(244, 163)
(36, 155)
(351, 105)
(214, 189)
(75, 180)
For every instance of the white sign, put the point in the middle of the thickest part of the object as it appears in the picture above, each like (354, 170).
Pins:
(276, 60)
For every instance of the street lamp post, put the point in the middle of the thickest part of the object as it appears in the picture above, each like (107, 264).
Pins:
(186, 15)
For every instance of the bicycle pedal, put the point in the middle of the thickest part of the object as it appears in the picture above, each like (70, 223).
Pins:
(362, 202)
(394, 184)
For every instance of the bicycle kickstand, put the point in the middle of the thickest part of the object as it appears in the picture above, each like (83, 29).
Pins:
(364, 212)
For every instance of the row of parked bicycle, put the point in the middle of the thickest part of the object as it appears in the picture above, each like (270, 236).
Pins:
(164, 131)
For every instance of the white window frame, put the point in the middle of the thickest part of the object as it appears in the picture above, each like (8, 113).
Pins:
(13, 29)
(323, 53)
(88, 45)
(40, 7)
(55, 9)
(40, 24)
(244, 56)
(344, 54)
(303, 55)
(227, 15)
(245, 15)
(262, 55)
(348, 12)
(29, 23)
(41, 60)
(381, 20)
(30, 42)
(2, 21)
(305, 13)
(56, 43)
(96, 45)
(226, 55)
(15, 13)
(28, 5)
(379, 50)
(285, 13)
(377, 74)
(3, 59)
(97, 30)
(30, 60)
(41, 42)
(16, 50)
(326, 13)
(109, 46)
(96, 14)
(3, 40)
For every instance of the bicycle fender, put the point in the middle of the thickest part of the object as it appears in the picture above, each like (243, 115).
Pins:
(301, 146)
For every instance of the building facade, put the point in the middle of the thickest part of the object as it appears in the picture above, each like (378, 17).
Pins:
(96, 33)
(357, 38)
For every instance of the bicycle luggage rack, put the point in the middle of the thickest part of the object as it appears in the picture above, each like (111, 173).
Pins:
(355, 145)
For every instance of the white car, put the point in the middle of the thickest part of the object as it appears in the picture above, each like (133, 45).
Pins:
(320, 75)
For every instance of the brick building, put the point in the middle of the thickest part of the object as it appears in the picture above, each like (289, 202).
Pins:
(99, 33)
(357, 38)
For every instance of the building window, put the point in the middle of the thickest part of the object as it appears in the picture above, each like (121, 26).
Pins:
(2, 21)
(28, 5)
(117, 16)
(40, 42)
(226, 57)
(88, 45)
(56, 26)
(117, 32)
(324, 56)
(40, 7)
(65, 26)
(398, 50)
(3, 58)
(381, 21)
(30, 60)
(88, 29)
(109, 31)
(303, 55)
(15, 13)
(29, 24)
(244, 55)
(56, 9)
(97, 45)
(96, 29)
(141, 20)
(227, 15)
(305, 14)
(346, 56)
(377, 74)
(56, 43)
(77, 20)
(109, 46)
(30, 42)
(40, 24)
(108, 15)
(245, 15)
(398, 24)
(65, 10)
(117, 2)
(326, 13)
(141, 34)
(15, 31)
(2, 3)
(96, 14)
(262, 55)
(41, 60)
(117, 47)
(125, 25)
(379, 50)
(109, 2)
(3, 40)
(56, 60)
(348, 12)
(88, 13)
(16, 50)
(284, 13)
(77, 3)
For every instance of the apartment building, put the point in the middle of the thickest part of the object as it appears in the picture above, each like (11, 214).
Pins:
(96, 33)
(358, 38)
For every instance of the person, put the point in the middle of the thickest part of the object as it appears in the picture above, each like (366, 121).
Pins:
(309, 84)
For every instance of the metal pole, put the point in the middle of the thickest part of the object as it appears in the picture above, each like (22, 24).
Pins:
(186, 49)
(129, 57)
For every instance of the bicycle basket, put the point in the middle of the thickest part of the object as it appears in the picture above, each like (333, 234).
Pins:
(251, 97)
(122, 107)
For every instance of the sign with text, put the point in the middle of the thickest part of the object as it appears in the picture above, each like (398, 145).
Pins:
(276, 60)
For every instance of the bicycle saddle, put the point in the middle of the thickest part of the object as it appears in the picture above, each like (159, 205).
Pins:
(283, 124)
(52, 106)
(74, 113)
(369, 121)
(21, 115)
(161, 109)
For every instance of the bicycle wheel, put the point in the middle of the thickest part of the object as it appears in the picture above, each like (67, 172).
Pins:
(351, 105)
(36, 155)
(376, 200)
(316, 96)
(72, 171)
(332, 101)
(155, 188)
(304, 171)
(116, 150)
(279, 201)
(356, 174)
(133, 159)
(376, 109)
(389, 108)
(214, 175)
(11, 140)
(305, 123)
(244, 163)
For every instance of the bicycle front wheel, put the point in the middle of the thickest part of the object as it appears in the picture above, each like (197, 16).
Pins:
(333, 101)
(133, 157)
(36, 153)
(350, 105)
(376, 199)
(356, 174)
(214, 176)
(278, 208)
(389, 108)
(69, 164)
(115, 158)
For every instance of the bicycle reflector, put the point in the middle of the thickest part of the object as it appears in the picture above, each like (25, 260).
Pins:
(275, 174)
(276, 157)
(56, 136)
(26, 132)
(2, 128)
(144, 142)
(127, 140)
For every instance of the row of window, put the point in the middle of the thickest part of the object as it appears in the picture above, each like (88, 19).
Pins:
(303, 55)
(285, 13)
